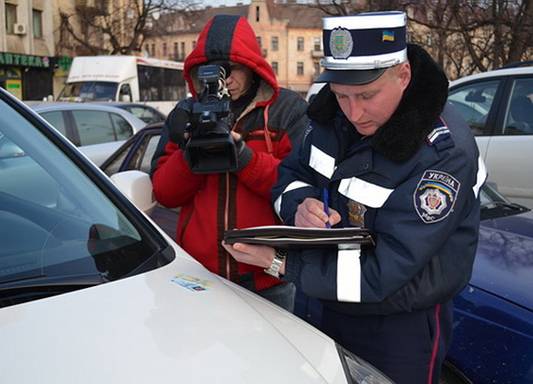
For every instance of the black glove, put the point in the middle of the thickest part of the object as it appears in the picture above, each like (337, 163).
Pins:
(178, 122)
(244, 154)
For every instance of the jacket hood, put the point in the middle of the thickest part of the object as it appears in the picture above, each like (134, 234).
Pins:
(422, 103)
(231, 38)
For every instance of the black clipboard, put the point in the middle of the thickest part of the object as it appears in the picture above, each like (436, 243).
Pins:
(284, 236)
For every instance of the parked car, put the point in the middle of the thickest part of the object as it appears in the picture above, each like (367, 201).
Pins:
(98, 130)
(145, 112)
(91, 290)
(493, 315)
(498, 105)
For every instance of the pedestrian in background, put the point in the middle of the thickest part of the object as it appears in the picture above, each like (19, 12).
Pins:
(268, 120)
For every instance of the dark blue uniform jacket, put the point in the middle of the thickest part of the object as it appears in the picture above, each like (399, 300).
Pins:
(418, 195)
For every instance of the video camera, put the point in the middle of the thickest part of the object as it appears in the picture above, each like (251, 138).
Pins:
(211, 148)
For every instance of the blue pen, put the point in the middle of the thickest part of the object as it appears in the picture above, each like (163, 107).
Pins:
(325, 200)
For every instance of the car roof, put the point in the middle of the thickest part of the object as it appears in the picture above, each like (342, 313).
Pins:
(494, 73)
(66, 106)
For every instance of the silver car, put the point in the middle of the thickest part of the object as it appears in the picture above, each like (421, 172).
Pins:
(498, 106)
(98, 130)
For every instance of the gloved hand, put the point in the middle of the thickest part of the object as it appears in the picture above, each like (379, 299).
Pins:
(178, 122)
(244, 152)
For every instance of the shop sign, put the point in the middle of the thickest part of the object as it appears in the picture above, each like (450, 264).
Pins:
(24, 60)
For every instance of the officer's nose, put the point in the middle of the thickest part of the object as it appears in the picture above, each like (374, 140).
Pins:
(356, 110)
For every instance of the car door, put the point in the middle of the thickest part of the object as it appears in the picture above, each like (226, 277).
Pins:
(510, 153)
(100, 133)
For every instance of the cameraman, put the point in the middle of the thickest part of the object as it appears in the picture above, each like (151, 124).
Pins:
(268, 120)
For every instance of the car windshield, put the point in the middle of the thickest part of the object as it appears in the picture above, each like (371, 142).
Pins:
(56, 226)
(89, 91)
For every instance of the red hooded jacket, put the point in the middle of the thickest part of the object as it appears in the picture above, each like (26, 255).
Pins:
(212, 203)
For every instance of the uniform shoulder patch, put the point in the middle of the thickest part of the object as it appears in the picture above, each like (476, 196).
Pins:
(439, 132)
(435, 195)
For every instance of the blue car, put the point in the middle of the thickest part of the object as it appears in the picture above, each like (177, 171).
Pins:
(493, 324)
(493, 315)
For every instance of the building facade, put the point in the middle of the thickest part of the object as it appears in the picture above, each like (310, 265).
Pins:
(27, 48)
(290, 36)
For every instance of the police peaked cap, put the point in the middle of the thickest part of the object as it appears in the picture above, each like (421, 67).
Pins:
(358, 49)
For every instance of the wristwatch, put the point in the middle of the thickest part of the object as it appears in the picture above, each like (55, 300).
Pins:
(277, 262)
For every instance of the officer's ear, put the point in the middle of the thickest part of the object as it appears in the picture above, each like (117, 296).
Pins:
(404, 74)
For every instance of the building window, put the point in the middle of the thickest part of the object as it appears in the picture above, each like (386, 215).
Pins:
(175, 50)
(274, 43)
(429, 40)
(153, 49)
(259, 41)
(317, 68)
(275, 67)
(257, 14)
(164, 49)
(11, 17)
(193, 44)
(37, 23)
(182, 55)
(316, 44)
(300, 68)
(300, 44)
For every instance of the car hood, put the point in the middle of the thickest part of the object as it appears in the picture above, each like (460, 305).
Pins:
(151, 328)
(504, 259)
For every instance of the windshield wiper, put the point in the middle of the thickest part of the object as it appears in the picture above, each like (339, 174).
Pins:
(504, 204)
(63, 283)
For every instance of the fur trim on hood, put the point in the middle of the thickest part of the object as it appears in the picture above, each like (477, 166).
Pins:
(231, 38)
(422, 103)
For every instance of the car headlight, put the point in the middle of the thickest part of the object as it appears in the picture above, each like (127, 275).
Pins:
(359, 371)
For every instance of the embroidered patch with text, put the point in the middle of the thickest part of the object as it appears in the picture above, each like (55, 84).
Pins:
(435, 196)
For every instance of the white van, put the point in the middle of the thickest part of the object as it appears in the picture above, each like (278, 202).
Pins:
(158, 83)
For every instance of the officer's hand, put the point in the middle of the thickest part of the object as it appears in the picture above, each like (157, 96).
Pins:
(244, 153)
(259, 255)
(310, 213)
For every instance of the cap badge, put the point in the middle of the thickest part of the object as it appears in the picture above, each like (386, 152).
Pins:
(340, 43)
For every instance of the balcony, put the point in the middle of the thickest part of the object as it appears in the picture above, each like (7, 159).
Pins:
(316, 53)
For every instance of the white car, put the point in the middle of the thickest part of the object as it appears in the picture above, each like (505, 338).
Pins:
(92, 291)
(498, 106)
(98, 130)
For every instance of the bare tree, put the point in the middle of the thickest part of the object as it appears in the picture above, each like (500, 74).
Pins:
(115, 27)
(476, 36)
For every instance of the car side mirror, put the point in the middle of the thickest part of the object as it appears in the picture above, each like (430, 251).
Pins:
(137, 187)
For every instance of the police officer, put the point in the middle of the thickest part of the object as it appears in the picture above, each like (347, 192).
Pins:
(394, 158)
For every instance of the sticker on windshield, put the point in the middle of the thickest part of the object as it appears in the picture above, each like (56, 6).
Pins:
(190, 282)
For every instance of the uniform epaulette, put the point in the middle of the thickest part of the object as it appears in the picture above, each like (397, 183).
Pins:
(440, 136)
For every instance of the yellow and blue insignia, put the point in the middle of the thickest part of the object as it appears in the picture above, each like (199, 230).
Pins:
(387, 36)
(435, 196)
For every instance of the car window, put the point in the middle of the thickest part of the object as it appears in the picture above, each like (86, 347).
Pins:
(94, 127)
(519, 112)
(57, 119)
(122, 128)
(57, 228)
(473, 102)
(144, 163)
(145, 114)
(114, 166)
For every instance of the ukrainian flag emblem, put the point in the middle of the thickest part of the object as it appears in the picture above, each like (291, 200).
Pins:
(387, 36)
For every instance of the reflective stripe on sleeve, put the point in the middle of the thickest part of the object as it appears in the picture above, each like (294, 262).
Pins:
(363, 192)
(349, 275)
(481, 176)
(292, 186)
(321, 162)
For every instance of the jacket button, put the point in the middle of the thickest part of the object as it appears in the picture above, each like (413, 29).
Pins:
(365, 166)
